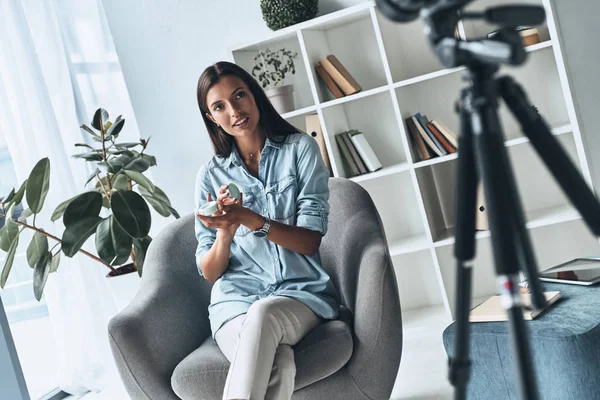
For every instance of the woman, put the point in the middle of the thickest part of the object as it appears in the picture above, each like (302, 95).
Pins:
(260, 251)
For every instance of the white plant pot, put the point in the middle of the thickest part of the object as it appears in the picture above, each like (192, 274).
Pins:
(123, 288)
(282, 98)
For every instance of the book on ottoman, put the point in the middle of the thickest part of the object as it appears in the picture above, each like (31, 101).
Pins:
(491, 310)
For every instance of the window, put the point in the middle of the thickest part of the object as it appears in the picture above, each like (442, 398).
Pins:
(26, 316)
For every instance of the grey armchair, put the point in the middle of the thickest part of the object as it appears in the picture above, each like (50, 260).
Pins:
(162, 343)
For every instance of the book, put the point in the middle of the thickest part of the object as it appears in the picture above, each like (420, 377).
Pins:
(447, 132)
(491, 310)
(426, 137)
(422, 119)
(417, 140)
(340, 75)
(365, 151)
(442, 139)
(326, 78)
(313, 128)
(355, 156)
(346, 156)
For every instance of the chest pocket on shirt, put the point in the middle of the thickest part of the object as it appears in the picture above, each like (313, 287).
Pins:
(248, 203)
(282, 198)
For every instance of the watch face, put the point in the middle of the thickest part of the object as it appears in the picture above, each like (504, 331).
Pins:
(260, 234)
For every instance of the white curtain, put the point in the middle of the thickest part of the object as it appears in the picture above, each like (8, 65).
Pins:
(57, 65)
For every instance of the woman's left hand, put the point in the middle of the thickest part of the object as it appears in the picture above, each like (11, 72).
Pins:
(232, 213)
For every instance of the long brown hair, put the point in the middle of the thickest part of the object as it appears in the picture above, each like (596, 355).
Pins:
(274, 126)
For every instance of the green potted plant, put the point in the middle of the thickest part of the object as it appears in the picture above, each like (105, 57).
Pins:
(115, 210)
(271, 68)
(280, 14)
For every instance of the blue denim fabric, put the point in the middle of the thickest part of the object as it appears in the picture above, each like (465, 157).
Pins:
(292, 188)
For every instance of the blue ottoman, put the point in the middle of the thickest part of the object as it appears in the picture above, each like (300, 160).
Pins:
(565, 346)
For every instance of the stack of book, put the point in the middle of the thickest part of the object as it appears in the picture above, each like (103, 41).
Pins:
(336, 77)
(431, 138)
(357, 153)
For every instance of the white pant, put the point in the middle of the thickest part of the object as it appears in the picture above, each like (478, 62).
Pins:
(259, 346)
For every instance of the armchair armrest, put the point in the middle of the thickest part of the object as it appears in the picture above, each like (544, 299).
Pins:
(168, 318)
(377, 323)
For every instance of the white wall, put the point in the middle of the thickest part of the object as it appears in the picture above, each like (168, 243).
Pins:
(163, 47)
(578, 29)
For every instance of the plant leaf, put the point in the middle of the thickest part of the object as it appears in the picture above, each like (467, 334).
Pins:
(8, 233)
(131, 212)
(9, 198)
(140, 248)
(38, 184)
(84, 145)
(140, 179)
(116, 128)
(40, 274)
(151, 159)
(100, 118)
(92, 176)
(158, 205)
(104, 244)
(159, 201)
(115, 165)
(85, 205)
(90, 156)
(60, 210)
(127, 145)
(75, 235)
(10, 257)
(25, 214)
(118, 181)
(138, 164)
(55, 262)
(122, 242)
(37, 248)
(112, 242)
(20, 193)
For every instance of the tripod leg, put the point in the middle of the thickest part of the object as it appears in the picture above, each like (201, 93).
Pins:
(495, 170)
(551, 152)
(464, 252)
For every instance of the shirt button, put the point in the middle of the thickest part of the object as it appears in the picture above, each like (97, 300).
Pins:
(276, 259)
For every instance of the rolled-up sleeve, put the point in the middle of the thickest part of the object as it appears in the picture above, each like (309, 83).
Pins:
(206, 236)
(312, 205)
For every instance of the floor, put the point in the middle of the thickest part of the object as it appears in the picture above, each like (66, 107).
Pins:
(422, 374)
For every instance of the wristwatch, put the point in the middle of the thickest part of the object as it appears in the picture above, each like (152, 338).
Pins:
(264, 231)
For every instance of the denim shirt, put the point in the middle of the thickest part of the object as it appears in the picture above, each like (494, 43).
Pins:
(292, 188)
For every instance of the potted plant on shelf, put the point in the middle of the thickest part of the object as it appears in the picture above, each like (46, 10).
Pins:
(271, 68)
(115, 210)
(280, 14)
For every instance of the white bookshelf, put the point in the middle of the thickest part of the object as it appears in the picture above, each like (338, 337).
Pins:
(400, 76)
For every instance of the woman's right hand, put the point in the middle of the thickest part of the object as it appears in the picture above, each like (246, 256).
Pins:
(227, 231)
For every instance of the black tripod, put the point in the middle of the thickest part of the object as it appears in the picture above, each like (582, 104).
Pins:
(481, 153)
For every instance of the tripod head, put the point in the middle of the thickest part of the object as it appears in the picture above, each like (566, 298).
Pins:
(442, 16)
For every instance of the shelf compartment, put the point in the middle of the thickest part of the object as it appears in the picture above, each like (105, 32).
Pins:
(244, 57)
(543, 201)
(408, 51)
(539, 77)
(362, 58)
(397, 204)
(561, 130)
(416, 279)
(382, 132)
(409, 245)
(478, 29)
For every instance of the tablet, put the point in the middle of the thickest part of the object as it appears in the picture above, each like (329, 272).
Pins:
(580, 271)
